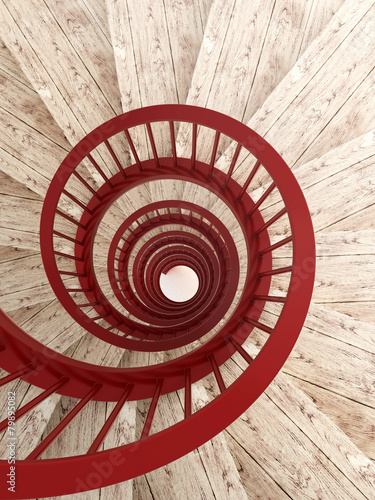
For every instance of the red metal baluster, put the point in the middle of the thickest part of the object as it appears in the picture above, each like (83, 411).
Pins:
(17, 374)
(188, 404)
(76, 201)
(261, 326)
(261, 199)
(48, 440)
(87, 185)
(94, 163)
(153, 146)
(115, 159)
(232, 165)
(151, 411)
(70, 219)
(109, 422)
(269, 298)
(62, 235)
(272, 272)
(249, 179)
(279, 244)
(246, 356)
(34, 402)
(216, 370)
(194, 146)
(173, 142)
(271, 221)
(214, 151)
(133, 150)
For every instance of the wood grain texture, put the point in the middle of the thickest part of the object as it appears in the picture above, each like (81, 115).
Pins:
(79, 91)
(20, 100)
(67, 87)
(242, 62)
(344, 193)
(319, 16)
(11, 186)
(328, 362)
(315, 85)
(357, 421)
(345, 156)
(258, 484)
(94, 49)
(364, 311)
(284, 414)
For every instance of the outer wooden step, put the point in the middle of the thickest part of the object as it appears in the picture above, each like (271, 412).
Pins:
(290, 439)
(246, 51)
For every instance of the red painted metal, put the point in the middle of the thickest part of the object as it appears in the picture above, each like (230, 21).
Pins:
(213, 258)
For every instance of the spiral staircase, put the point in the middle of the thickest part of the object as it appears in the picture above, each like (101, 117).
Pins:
(123, 156)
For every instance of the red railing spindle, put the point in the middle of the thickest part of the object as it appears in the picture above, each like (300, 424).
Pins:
(271, 221)
(213, 154)
(86, 184)
(34, 402)
(151, 410)
(279, 244)
(173, 143)
(109, 422)
(261, 326)
(96, 166)
(216, 370)
(152, 142)
(14, 375)
(249, 179)
(133, 150)
(246, 356)
(188, 402)
(194, 146)
(273, 272)
(265, 195)
(54, 434)
(115, 159)
(232, 165)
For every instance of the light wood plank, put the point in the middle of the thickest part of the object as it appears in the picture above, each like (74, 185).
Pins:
(217, 459)
(353, 118)
(346, 156)
(31, 426)
(11, 67)
(93, 48)
(330, 363)
(321, 13)
(37, 55)
(10, 186)
(172, 480)
(320, 57)
(99, 12)
(346, 193)
(315, 84)
(20, 213)
(12, 254)
(338, 278)
(186, 22)
(293, 440)
(340, 326)
(70, 89)
(357, 421)
(23, 102)
(364, 218)
(364, 311)
(292, 28)
(258, 484)
(338, 243)
(257, 45)
(27, 240)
